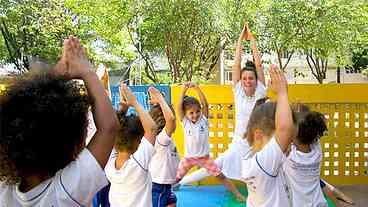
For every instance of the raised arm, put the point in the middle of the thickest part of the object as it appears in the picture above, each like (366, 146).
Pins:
(238, 52)
(107, 125)
(256, 55)
(284, 119)
(181, 99)
(157, 98)
(148, 124)
(202, 99)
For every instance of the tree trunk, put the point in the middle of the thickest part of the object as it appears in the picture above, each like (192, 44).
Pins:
(338, 74)
(318, 66)
(17, 53)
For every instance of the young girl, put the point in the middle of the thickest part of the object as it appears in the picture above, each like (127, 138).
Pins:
(127, 169)
(303, 162)
(43, 158)
(269, 133)
(193, 115)
(249, 86)
(165, 162)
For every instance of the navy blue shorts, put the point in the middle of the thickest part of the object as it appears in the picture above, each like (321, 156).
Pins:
(322, 184)
(101, 198)
(162, 195)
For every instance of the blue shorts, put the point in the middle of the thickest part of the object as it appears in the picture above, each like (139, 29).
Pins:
(162, 195)
(322, 183)
(101, 198)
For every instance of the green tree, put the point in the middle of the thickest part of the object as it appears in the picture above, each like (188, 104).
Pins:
(106, 24)
(188, 34)
(279, 26)
(33, 28)
(327, 30)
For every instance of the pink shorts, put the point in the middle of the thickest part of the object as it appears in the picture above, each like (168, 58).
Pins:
(205, 162)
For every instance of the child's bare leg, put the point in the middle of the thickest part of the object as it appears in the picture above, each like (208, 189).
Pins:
(331, 195)
(195, 176)
(338, 194)
(172, 205)
(231, 187)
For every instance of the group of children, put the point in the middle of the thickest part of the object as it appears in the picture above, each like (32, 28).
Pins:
(44, 161)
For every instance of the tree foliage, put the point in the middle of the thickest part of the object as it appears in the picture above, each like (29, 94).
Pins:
(319, 29)
(33, 28)
(189, 34)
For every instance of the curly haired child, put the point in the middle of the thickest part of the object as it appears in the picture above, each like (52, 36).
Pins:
(44, 161)
(127, 169)
(303, 162)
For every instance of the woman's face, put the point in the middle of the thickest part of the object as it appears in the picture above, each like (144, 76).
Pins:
(248, 80)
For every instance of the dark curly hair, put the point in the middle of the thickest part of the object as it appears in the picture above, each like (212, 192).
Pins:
(158, 116)
(190, 101)
(130, 133)
(250, 66)
(311, 126)
(43, 126)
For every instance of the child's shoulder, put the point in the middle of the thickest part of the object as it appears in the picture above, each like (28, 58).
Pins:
(3, 188)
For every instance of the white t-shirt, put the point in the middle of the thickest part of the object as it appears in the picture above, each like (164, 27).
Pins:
(265, 178)
(75, 185)
(165, 161)
(303, 172)
(196, 137)
(244, 105)
(131, 185)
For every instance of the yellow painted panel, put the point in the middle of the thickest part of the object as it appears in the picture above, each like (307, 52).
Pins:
(2, 87)
(345, 148)
(328, 93)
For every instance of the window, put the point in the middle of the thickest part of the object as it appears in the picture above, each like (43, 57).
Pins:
(228, 77)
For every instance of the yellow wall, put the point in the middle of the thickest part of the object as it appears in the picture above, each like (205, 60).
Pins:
(345, 105)
(2, 87)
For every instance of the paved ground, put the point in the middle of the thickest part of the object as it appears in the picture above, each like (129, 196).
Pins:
(358, 193)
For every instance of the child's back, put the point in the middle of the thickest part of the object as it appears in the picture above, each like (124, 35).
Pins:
(165, 162)
(303, 172)
(127, 169)
(131, 185)
(74, 185)
(265, 177)
(269, 133)
(303, 163)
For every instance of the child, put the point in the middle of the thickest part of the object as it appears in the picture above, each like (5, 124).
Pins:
(303, 162)
(127, 169)
(269, 133)
(193, 115)
(44, 161)
(248, 87)
(165, 162)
